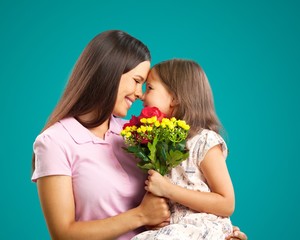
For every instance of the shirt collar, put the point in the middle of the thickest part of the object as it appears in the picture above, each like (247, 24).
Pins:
(116, 125)
(81, 135)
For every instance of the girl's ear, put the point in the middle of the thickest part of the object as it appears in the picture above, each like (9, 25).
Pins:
(174, 102)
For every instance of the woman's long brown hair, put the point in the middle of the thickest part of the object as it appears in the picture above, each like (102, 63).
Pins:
(94, 81)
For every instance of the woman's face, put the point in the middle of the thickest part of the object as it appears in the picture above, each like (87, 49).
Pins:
(130, 88)
(157, 94)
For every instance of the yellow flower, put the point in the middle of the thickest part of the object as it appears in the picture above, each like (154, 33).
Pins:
(170, 125)
(123, 132)
(165, 120)
(151, 120)
(181, 123)
(143, 120)
(186, 127)
(143, 128)
(149, 128)
(157, 124)
(128, 134)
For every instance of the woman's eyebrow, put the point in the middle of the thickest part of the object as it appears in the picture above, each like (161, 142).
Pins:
(140, 77)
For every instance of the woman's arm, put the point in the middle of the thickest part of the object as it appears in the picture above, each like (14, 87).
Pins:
(57, 200)
(220, 201)
(237, 234)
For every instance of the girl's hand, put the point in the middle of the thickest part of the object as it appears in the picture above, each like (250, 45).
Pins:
(237, 234)
(157, 184)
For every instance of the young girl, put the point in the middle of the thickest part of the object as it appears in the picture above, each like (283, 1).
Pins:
(199, 189)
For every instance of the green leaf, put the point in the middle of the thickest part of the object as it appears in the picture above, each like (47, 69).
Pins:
(138, 152)
(162, 155)
(176, 157)
(141, 155)
(162, 150)
(180, 146)
(152, 148)
(145, 167)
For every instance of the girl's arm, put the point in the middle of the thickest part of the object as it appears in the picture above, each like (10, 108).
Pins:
(57, 200)
(220, 201)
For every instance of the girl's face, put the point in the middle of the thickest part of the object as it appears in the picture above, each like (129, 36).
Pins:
(130, 88)
(157, 94)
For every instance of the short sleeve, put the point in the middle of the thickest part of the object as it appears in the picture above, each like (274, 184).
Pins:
(50, 158)
(206, 140)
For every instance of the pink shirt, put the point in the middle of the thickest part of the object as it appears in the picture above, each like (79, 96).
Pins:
(106, 180)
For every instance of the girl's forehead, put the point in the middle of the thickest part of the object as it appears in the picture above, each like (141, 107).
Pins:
(152, 76)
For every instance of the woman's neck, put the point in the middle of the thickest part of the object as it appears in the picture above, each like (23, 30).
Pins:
(98, 131)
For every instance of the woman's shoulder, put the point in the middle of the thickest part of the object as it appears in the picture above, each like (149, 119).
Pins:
(54, 131)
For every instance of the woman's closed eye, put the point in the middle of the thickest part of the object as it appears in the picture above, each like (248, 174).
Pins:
(138, 81)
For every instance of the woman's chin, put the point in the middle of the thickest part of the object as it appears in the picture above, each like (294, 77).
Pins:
(120, 114)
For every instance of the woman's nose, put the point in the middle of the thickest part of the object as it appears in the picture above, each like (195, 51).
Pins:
(139, 92)
(142, 97)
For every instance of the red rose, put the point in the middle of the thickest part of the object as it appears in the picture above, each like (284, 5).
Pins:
(145, 141)
(149, 112)
(134, 121)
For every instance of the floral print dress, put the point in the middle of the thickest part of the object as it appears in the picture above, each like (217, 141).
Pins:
(186, 223)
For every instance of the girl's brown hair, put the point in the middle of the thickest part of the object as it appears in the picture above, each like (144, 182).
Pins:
(187, 81)
(94, 81)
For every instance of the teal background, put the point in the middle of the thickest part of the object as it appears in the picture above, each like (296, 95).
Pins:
(249, 50)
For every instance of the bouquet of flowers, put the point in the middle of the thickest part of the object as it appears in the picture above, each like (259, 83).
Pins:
(159, 142)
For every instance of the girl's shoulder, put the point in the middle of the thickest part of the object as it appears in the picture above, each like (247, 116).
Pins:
(206, 135)
(204, 140)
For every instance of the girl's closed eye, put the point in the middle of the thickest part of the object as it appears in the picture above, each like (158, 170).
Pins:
(149, 87)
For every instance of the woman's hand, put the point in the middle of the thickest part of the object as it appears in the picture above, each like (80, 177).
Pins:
(237, 234)
(161, 225)
(155, 210)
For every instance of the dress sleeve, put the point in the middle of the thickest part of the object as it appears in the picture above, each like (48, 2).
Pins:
(50, 158)
(207, 140)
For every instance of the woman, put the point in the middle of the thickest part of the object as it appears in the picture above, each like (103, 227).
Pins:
(77, 169)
